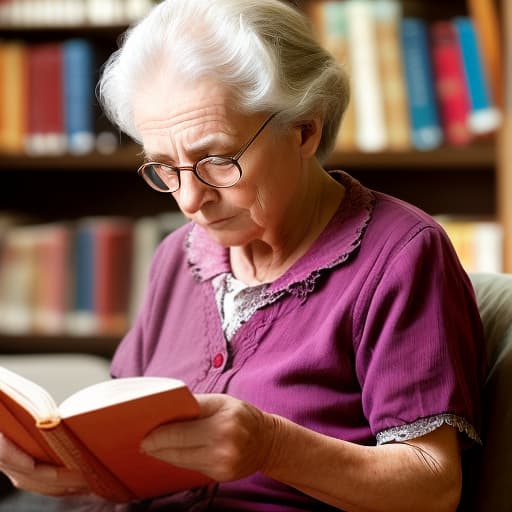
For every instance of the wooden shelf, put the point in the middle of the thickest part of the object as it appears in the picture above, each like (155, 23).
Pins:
(474, 157)
(38, 344)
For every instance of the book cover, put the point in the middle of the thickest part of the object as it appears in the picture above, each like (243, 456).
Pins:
(371, 133)
(426, 131)
(388, 15)
(484, 117)
(113, 253)
(52, 277)
(478, 242)
(98, 431)
(17, 280)
(332, 18)
(450, 83)
(490, 37)
(46, 131)
(13, 96)
(79, 95)
(81, 318)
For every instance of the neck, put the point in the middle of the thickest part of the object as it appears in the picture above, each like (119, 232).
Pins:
(266, 259)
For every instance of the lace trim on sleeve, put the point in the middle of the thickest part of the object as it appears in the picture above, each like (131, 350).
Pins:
(425, 426)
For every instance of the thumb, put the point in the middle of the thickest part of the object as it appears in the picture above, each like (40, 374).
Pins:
(210, 404)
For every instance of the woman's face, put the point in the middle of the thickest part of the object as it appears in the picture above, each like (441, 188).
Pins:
(181, 123)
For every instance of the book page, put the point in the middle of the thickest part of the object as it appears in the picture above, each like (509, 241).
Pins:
(29, 395)
(115, 391)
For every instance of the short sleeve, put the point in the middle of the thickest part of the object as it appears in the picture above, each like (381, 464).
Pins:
(419, 349)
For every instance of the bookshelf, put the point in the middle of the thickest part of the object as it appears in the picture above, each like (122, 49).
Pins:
(472, 180)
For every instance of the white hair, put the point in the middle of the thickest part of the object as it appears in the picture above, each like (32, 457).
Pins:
(263, 50)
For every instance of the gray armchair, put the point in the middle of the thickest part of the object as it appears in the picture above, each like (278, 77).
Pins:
(488, 471)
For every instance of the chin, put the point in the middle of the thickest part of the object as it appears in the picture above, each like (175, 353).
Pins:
(229, 238)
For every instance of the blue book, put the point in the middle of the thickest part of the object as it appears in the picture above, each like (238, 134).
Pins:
(426, 130)
(82, 319)
(484, 116)
(78, 76)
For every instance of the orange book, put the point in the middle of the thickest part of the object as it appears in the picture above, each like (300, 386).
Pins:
(98, 431)
(13, 97)
(488, 27)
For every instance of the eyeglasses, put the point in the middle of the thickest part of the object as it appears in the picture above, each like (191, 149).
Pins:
(215, 170)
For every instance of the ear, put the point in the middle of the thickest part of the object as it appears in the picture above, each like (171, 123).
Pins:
(310, 136)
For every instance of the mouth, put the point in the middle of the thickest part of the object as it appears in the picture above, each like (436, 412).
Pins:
(218, 222)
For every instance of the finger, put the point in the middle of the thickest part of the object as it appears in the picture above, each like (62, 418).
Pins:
(11, 456)
(185, 434)
(210, 403)
(50, 480)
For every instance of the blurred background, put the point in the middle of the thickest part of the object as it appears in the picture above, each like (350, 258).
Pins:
(429, 122)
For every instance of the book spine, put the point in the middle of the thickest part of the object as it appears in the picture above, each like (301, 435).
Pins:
(488, 27)
(78, 95)
(450, 82)
(13, 99)
(335, 30)
(82, 318)
(46, 122)
(388, 15)
(426, 132)
(75, 455)
(368, 102)
(113, 254)
(484, 117)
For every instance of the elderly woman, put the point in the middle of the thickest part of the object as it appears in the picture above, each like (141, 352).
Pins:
(328, 330)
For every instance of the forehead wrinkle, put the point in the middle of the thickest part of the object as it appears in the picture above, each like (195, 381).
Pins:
(193, 142)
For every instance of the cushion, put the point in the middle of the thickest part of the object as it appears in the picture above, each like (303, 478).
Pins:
(488, 472)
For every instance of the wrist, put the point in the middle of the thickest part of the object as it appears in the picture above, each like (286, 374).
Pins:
(276, 428)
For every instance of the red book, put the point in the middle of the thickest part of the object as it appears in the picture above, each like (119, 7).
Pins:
(450, 82)
(98, 431)
(113, 242)
(46, 130)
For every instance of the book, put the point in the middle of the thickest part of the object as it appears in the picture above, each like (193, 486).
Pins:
(113, 254)
(490, 37)
(478, 242)
(13, 96)
(450, 83)
(98, 431)
(78, 75)
(484, 117)
(331, 21)
(52, 277)
(148, 232)
(426, 131)
(17, 280)
(367, 92)
(81, 317)
(46, 131)
(388, 16)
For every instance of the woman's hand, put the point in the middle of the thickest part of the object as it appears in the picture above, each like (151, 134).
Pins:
(229, 441)
(27, 474)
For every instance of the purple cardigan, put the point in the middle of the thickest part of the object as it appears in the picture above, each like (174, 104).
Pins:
(374, 328)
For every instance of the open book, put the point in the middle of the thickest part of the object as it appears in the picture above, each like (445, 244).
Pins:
(98, 430)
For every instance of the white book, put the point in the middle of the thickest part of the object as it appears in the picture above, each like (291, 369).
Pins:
(488, 247)
(136, 9)
(368, 100)
(17, 281)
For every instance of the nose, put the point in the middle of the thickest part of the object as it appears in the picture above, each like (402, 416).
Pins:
(192, 194)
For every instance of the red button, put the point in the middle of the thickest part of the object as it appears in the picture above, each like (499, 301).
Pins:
(218, 360)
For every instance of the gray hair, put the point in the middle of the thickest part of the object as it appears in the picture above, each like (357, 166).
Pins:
(263, 50)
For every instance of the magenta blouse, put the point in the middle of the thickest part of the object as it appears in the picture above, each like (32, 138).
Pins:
(372, 336)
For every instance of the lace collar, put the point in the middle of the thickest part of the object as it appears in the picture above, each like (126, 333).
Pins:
(341, 237)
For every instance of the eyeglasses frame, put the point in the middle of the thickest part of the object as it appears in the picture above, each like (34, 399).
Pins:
(193, 168)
